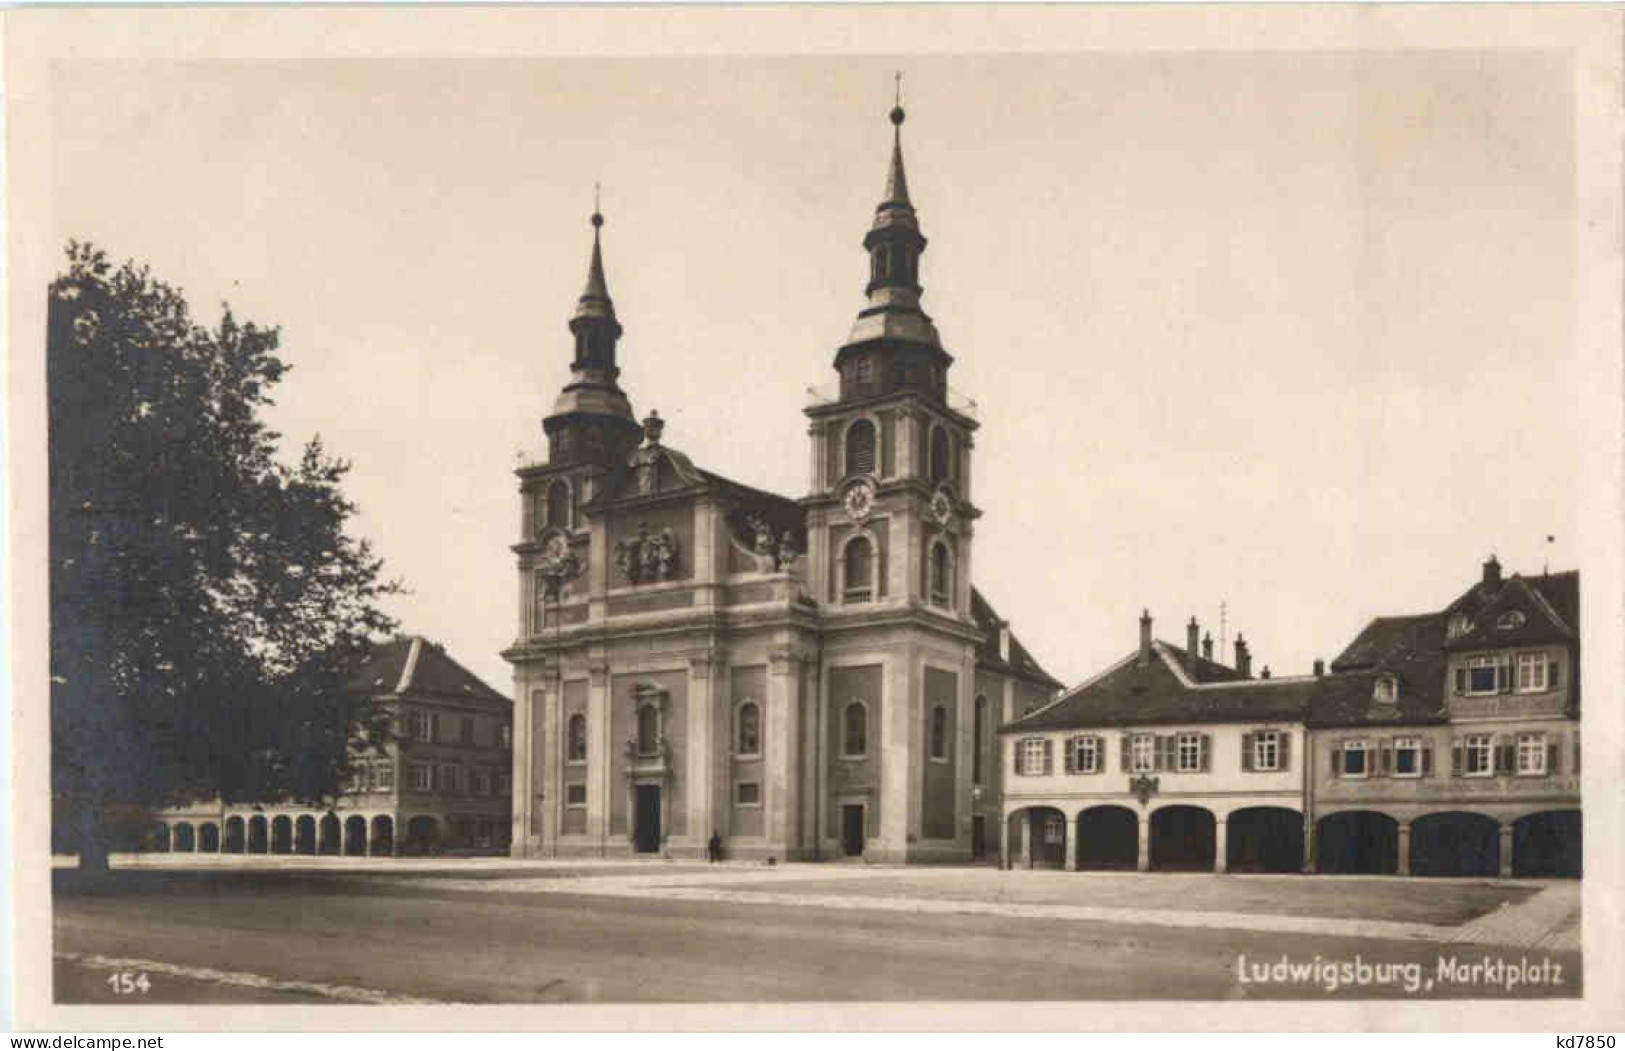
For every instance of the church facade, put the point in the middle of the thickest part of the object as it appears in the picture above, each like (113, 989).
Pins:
(801, 678)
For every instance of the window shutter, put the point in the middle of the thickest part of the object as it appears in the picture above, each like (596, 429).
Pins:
(1337, 762)
(1554, 755)
(1503, 674)
(1049, 756)
(1461, 681)
(1068, 755)
(1123, 754)
(1553, 675)
(1100, 755)
(1247, 751)
(1204, 746)
(1456, 760)
(1283, 759)
(1576, 751)
(1504, 756)
(1427, 759)
(1385, 750)
(434, 726)
(1167, 746)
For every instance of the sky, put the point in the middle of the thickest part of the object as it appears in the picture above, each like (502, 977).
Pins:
(1288, 332)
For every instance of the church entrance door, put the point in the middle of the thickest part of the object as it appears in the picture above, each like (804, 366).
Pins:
(852, 829)
(647, 829)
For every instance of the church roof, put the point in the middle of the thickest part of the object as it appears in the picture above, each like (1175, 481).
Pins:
(414, 664)
(1021, 662)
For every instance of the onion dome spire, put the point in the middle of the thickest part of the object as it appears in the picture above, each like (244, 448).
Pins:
(592, 417)
(895, 244)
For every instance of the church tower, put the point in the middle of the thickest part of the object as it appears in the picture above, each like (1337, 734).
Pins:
(590, 431)
(891, 453)
(889, 524)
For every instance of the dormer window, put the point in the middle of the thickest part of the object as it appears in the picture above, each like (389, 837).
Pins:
(1511, 620)
(1460, 624)
(1387, 691)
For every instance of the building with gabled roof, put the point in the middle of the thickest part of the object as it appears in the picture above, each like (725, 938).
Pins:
(703, 663)
(1456, 749)
(442, 781)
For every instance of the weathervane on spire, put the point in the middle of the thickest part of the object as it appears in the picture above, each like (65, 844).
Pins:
(897, 108)
(597, 211)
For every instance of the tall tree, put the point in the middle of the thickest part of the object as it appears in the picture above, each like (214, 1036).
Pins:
(207, 600)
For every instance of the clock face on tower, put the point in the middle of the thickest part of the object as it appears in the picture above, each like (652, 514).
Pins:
(942, 507)
(859, 501)
(557, 547)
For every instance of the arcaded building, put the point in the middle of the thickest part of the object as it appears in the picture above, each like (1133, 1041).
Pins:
(803, 678)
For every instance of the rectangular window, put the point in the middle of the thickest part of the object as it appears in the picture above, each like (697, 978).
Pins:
(748, 793)
(1031, 756)
(504, 783)
(448, 779)
(1086, 755)
(1356, 759)
(383, 775)
(1477, 759)
(1190, 753)
(1407, 757)
(480, 781)
(418, 726)
(422, 777)
(1532, 753)
(1532, 673)
(575, 795)
(1483, 675)
(505, 737)
(1054, 830)
(1144, 753)
(1267, 750)
(466, 729)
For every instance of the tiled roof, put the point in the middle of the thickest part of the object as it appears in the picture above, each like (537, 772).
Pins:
(1161, 691)
(413, 664)
(1385, 636)
(1541, 602)
(1021, 662)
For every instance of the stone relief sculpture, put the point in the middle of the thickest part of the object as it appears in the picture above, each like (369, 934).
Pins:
(648, 556)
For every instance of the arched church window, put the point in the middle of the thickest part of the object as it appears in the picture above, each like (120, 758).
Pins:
(939, 732)
(860, 447)
(749, 738)
(858, 583)
(577, 735)
(558, 505)
(942, 575)
(855, 730)
(648, 729)
(939, 454)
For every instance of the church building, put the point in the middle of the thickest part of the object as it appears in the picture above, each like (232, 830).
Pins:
(804, 678)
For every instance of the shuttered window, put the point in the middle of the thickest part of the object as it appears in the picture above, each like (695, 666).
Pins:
(1032, 756)
(860, 448)
(1144, 754)
(1531, 756)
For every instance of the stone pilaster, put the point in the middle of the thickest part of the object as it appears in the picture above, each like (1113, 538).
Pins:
(600, 752)
(1221, 856)
(708, 728)
(523, 787)
(782, 791)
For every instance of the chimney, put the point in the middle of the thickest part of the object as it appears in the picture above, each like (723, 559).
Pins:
(1266, 673)
(1192, 634)
(1320, 667)
(1244, 660)
(1207, 646)
(1492, 574)
(1145, 637)
(1004, 641)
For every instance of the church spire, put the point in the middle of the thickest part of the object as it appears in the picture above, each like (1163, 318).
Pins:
(592, 418)
(895, 244)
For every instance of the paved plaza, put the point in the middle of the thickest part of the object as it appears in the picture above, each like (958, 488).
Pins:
(281, 930)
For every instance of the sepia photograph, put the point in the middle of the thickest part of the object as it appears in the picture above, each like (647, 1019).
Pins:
(668, 518)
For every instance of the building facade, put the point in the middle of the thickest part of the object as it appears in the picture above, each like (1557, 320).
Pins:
(1459, 753)
(1445, 743)
(800, 678)
(442, 783)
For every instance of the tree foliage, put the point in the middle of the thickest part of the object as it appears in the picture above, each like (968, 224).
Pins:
(206, 598)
